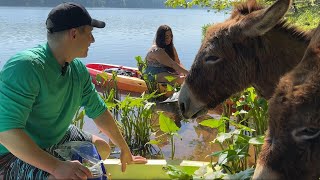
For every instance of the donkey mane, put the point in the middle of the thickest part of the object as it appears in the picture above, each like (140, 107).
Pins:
(246, 8)
(298, 34)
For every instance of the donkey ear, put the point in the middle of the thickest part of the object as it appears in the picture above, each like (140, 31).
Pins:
(315, 41)
(305, 133)
(259, 22)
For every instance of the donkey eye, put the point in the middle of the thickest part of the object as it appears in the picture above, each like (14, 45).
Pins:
(212, 59)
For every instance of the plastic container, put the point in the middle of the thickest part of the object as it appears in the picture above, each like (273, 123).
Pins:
(86, 153)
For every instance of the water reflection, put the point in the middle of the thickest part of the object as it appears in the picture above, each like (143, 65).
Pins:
(195, 143)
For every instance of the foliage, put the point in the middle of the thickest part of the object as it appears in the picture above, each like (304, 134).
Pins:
(135, 115)
(176, 173)
(306, 17)
(169, 128)
(251, 110)
(214, 4)
(224, 4)
(162, 90)
(234, 145)
(204, 30)
(304, 13)
(78, 119)
(150, 82)
(217, 172)
(233, 157)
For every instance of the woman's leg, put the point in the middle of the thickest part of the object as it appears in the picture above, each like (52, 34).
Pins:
(78, 135)
(102, 146)
(161, 78)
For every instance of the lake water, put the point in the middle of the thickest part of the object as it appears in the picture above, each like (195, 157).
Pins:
(129, 33)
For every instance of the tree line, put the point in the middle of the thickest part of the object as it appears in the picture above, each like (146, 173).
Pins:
(89, 3)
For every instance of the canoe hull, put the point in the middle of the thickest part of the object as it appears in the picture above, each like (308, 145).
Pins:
(124, 83)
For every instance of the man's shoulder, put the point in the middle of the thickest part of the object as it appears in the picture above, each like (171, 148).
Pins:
(77, 62)
(29, 54)
(79, 65)
(26, 59)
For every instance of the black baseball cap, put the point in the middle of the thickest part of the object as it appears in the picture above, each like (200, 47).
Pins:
(70, 15)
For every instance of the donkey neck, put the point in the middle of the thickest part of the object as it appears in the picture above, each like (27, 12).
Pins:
(286, 51)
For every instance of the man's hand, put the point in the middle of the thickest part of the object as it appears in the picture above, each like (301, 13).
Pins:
(71, 170)
(128, 158)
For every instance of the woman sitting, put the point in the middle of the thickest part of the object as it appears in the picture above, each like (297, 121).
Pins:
(162, 59)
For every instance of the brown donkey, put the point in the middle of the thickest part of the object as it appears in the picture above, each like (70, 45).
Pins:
(254, 47)
(292, 145)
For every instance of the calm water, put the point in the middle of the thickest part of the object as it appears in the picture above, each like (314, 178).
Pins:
(129, 33)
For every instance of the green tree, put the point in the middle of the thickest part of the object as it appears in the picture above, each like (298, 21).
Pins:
(303, 13)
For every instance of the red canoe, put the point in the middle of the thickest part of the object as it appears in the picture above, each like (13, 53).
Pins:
(127, 78)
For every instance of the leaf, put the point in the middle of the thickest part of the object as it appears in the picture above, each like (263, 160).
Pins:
(241, 127)
(223, 158)
(215, 175)
(149, 105)
(154, 142)
(167, 125)
(221, 137)
(170, 78)
(169, 88)
(257, 140)
(201, 171)
(217, 153)
(176, 173)
(212, 123)
(242, 175)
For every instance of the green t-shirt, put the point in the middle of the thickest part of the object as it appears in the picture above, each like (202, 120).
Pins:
(35, 97)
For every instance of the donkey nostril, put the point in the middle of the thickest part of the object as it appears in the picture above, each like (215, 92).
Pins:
(182, 108)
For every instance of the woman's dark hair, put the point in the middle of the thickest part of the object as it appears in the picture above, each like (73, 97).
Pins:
(160, 40)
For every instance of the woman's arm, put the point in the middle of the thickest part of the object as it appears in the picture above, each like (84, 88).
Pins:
(177, 57)
(162, 57)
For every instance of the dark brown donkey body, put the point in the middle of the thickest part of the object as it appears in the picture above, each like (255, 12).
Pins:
(254, 47)
(292, 145)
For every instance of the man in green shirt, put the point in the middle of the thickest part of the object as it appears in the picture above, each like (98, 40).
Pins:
(40, 91)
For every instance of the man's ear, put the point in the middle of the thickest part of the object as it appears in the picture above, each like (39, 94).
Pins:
(305, 133)
(72, 33)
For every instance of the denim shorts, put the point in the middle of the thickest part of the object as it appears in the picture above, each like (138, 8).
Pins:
(151, 71)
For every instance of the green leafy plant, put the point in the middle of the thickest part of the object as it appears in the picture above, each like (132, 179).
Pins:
(78, 119)
(176, 173)
(169, 128)
(150, 82)
(251, 110)
(135, 115)
(153, 85)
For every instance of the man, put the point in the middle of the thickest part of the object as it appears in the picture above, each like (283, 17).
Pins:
(40, 91)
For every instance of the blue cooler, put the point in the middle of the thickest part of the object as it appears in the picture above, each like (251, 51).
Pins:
(86, 153)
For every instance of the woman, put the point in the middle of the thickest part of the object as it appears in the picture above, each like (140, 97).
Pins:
(162, 58)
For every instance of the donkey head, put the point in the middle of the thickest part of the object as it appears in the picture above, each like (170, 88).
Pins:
(226, 62)
(292, 145)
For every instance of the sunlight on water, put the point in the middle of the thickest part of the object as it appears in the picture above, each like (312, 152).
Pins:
(129, 32)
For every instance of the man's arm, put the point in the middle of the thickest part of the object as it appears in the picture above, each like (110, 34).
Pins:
(21, 145)
(24, 148)
(108, 126)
